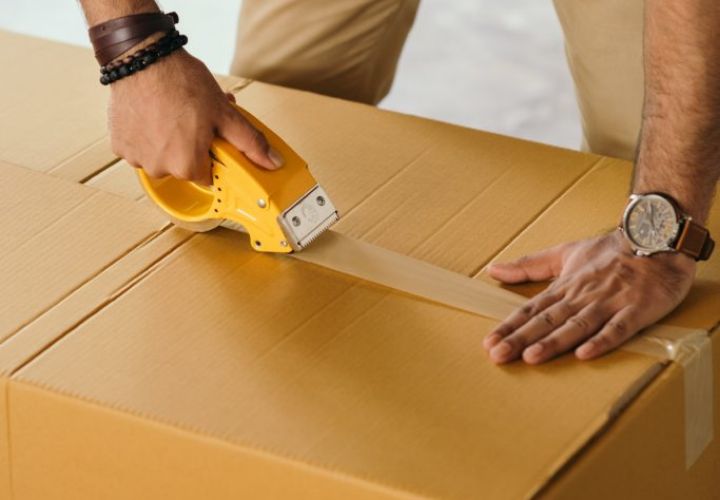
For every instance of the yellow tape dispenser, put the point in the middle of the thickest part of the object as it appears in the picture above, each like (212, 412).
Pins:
(282, 210)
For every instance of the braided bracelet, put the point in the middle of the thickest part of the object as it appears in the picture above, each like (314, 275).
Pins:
(141, 59)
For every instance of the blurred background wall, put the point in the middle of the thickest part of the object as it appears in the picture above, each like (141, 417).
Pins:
(496, 65)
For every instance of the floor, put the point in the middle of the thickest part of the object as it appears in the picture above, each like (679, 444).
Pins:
(499, 65)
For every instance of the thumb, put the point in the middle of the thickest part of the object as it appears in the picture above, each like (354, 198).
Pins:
(247, 139)
(539, 266)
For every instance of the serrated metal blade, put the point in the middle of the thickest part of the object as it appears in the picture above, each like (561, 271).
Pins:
(308, 218)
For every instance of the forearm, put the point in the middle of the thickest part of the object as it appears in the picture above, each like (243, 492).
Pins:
(679, 149)
(98, 11)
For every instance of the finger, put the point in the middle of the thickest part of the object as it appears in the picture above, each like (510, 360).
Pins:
(250, 141)
(202, 173)
(539, 266)
(155, 172)
(576, 329)
(230, 96)
(520, 316)
(617, 330)
(539, 326)
(194, 167)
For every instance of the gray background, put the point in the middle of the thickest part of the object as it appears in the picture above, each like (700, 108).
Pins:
(495, 65)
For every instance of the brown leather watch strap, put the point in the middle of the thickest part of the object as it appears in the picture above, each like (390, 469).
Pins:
(695, 241)
(116, 36)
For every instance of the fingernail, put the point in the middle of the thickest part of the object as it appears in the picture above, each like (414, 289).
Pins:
(275, 157)
(585, 350)
(534, 350)
(501, 350)
(491, 340)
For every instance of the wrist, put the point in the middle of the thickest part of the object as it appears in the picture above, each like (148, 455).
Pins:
(99, 12)
(164, 71)
(690, 194)
(654, 223)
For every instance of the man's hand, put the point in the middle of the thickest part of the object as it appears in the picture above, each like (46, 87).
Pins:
(164, 118)
(602, 295)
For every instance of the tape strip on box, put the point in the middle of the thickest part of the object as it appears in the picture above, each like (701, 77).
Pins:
(690, 348)
(400, 272)
(693, 351)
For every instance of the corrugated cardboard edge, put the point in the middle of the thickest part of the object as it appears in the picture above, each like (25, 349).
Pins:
(334, 483)
(688, 349)
(49, 327)
(599, 426)
(692, 350)
(85, 163)
(5, 451)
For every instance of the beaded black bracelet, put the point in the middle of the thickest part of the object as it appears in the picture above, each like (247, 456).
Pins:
(141, 59)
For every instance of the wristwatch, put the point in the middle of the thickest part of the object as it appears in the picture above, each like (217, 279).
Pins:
(654, 222)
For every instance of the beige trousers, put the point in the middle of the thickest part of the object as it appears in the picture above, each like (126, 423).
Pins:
(350, 49)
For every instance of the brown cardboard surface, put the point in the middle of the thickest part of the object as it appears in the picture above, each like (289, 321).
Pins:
(419, 187)
(185, 464)
(120, 179)
(45, 121)
(56, 124)
(615, 465)
(57, 235)
(344, 376)
(54, 241)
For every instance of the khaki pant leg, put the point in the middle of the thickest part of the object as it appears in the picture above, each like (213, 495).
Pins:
(342, 48)
(603, 41)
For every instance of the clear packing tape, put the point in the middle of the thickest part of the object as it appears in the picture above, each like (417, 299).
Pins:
(690, 348)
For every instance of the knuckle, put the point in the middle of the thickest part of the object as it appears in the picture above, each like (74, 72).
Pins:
(527, 309)
(183, 172)
(580, 323)
(567, 307)
(258, 140)
(517, 342)
(618, 328)
(154, 170)
(151, 172)
(590, 285)
(610, 336)
(545, 299)
(116, 147)
(547, 318)
(503, 329)
(602, 342)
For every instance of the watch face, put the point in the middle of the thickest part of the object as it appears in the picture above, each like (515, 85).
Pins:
(651, 222)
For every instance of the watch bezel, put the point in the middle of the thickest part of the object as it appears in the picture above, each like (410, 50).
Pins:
(638, 248)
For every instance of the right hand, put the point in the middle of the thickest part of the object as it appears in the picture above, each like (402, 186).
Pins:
(164, 118)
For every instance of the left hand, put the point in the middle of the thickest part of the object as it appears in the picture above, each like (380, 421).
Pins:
(602, 295)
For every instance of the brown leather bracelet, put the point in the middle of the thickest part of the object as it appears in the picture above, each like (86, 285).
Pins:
(116, 36)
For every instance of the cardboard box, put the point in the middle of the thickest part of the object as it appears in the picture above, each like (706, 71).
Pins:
(192, 367)
(58, 237)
